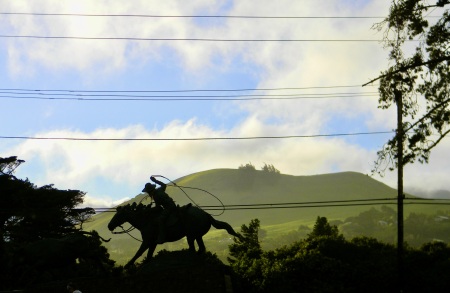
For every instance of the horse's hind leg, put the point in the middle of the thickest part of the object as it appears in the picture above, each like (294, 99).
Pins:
(190, 241)
(201, 245)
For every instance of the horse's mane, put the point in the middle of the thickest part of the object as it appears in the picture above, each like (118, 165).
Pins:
(140, 209)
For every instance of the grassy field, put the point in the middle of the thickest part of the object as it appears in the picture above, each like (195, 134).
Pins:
(243, 187)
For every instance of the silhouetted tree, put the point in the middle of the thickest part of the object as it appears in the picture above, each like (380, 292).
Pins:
(246, 254)
(29, 214)
(269, 168)
(327, 262)
(8, 165)
(323, 228)
(247, 167)
(419, 77)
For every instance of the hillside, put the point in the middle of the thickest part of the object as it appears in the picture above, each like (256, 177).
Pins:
(243, 187)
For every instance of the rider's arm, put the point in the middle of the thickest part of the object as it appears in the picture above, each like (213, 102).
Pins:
(162, 184)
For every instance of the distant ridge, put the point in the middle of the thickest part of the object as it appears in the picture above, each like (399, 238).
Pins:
(244, 187)
(255, 187)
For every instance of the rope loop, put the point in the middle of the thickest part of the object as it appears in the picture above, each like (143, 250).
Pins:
(181, 188)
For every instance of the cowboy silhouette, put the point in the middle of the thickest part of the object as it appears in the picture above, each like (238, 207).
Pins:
(161, 199)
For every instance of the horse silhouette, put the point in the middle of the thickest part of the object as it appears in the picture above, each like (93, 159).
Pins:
(192, 223)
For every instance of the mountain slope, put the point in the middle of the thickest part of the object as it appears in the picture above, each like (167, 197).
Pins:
(243, 187)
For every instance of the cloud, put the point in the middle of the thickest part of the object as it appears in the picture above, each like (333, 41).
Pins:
(127, 164)
(123, 166)
(110, 170)
(102, 202)
(109, 56)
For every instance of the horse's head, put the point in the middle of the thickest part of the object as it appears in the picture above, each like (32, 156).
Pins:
(131, 213)
(120, 217)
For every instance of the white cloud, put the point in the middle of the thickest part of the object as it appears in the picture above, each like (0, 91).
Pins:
(102, 202)
(128, 164)
(109, 56)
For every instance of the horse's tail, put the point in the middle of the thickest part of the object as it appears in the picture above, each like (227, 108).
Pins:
(223, 225)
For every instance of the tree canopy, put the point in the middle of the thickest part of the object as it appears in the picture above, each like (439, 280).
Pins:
(326, 262)
(30, 213)
(419, 74)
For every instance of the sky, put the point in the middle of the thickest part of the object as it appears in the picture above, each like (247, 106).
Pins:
(97, 72)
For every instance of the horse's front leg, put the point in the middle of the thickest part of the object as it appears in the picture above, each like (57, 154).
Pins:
(201, 244)
(151, 249)
(140, 251)
(191, 244)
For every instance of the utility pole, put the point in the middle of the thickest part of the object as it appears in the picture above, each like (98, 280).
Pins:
(400, 196)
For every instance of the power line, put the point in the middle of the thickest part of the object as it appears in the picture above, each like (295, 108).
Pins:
(195, 139)
(313, 204)
(287, 204)
(240, 97)
(227, 208)
(195, 16)
(309, 204)
(191, 16)
(150, 95)
(188, 39)
(183, 90)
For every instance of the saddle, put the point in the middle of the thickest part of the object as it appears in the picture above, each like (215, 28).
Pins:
(176, 215)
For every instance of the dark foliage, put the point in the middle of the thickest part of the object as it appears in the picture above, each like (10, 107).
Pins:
(381, 224)
(421, 77)
(29, 213)
(247, 167)
(167, 272)
(269, 168)
(326, 262)
(40, 237)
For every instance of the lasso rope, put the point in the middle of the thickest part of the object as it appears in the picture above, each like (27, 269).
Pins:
(181, 188)
(127, 231)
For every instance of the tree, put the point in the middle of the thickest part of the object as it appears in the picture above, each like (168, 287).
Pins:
(323, 228)
(29, 213)
(416, 76)
(246, 254)
(8, 165)
(269, 168)
(420, 75)
(247, 167)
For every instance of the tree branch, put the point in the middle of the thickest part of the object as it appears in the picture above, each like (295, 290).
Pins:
(405, 68)
(437, 141)
(428, 114)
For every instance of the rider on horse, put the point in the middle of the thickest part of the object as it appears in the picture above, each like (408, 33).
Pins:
(162, 199)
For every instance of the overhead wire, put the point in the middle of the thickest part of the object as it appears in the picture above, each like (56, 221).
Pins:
(183, 90)
(196, 16)
(189, 39)
(190, 16)
(74, 96)
(195, 39)
(240, 97)
(309, 204)
(175, 95)
(315, 204)
(197, 138)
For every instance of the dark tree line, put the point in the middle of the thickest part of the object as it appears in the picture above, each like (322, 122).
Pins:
(40, 231)
(29, 213)
(268, 168)
(326, 262)
(381, 224)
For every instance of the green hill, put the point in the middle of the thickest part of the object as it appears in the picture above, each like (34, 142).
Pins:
(249, 187)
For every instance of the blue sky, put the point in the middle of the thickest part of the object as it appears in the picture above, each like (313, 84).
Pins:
(110, 171)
